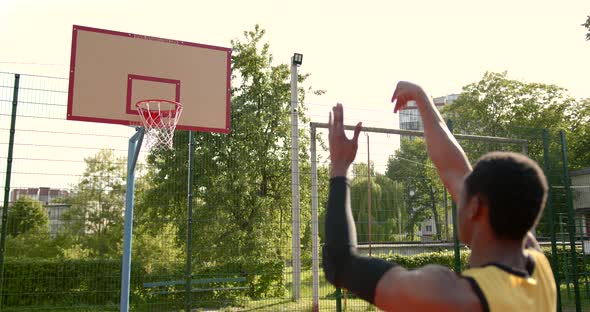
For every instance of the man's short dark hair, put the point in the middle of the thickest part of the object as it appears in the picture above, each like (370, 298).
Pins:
(515, 189)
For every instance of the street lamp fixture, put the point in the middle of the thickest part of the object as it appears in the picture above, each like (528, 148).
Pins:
(297, 59)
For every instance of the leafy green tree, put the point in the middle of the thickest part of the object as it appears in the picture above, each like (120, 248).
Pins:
(156, 248)
(499, 106)
(387, 211)
(579, 136)
(323, 178)
(242, 182)
(96, 214)
(423, 189)
(360, 170)
(27, 215)
(28, 229)
(33, 244)
(587, 25)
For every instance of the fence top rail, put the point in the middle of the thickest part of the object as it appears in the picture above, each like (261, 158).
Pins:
(421, 133)
(195, 281)
(32, 75)
(365, 245)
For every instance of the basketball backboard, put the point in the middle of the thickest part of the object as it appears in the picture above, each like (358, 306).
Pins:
(110, 71)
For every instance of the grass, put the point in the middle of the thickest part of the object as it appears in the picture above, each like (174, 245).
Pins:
(327, 298)
(63, 309)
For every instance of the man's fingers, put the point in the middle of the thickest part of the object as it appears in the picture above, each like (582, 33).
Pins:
(400, 102)
(394, 96)
(357, 131)
(335, 116)
(337, 124)
(398, 105)
(334, 120)
(330, 123)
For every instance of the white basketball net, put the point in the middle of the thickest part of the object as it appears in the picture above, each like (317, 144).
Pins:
(159, 118)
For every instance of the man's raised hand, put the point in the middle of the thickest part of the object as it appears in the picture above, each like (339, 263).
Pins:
(405, 92)
(342, 149)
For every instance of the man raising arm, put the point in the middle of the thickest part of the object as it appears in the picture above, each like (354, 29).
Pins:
(499, 201)
(430, 288)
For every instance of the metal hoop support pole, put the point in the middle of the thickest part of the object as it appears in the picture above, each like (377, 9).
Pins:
(132, 155)
(4, 230)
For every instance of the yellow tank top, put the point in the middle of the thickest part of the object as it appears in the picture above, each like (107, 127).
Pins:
(504, 289)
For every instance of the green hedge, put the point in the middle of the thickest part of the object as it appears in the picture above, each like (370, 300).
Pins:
(447, 258)
(65, 282)
(444, 258)
(564, 264)
(264, 279)
(58, 282)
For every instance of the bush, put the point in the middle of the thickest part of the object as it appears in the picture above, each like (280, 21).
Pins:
(447, 259)
(264, 279)
(63, 282)
(444, 258)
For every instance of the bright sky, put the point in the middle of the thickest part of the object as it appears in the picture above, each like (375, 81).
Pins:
(356, 50)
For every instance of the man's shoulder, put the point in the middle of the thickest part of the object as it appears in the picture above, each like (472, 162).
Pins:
(535, 253)
(540, 260)
(429, 287)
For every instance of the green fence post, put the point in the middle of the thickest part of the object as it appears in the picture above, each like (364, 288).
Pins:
(456, 249)
(571, 221)
(566, 272)
(189, 220)
(338, 299)
(549, 206)
(7, 182)
(584, 262)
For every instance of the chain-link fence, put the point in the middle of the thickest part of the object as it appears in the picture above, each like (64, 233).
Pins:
(66, 191)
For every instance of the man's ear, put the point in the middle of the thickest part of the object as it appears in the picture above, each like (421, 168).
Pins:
(478, 205)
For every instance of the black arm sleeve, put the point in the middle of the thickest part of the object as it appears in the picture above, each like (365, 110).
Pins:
(342, 266)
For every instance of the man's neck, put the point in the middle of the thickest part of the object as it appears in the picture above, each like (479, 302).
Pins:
(506, 252)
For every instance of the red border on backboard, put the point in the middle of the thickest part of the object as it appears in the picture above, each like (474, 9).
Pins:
(71, 86)
(130, 107)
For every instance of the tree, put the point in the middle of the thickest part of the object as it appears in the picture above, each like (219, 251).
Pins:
(156, 248)
(587, 25)
(242, 183)
(33, 244)
(27, 215)
(28, 229)
(387, 211)
(424, 193)
(579, 136)
(96, 214)
(499, 106)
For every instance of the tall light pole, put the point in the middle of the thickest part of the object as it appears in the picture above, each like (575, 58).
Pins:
(296, 61)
